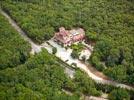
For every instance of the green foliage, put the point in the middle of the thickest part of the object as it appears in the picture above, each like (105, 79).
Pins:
(74, 54)
(109, 22)
(41, 77)
(108, 89)
(85, 84)
(119, 94)
(92, 36)
(13, 49)
(77, 48)
(54, 50)
(95, 60)
(117, 73)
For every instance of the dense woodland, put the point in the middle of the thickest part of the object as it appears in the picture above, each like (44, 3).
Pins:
(108, 23)
(13, 49)
(39, 77)
(43, 77)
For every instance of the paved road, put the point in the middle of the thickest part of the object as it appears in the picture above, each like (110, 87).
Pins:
(63, 54)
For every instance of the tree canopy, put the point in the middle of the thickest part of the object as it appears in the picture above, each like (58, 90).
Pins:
(119, 94)
(108, 23)
(14, 50)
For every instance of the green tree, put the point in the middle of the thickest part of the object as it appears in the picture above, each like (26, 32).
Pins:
(113, 57)
(116, 73)
(119, 94)
(85, 84)
(54, 50)
(74, 54)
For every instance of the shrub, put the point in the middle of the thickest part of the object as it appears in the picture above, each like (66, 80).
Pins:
(54, 50)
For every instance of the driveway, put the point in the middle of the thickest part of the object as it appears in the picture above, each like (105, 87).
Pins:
(65, 55)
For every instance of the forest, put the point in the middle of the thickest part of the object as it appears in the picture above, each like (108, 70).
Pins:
(27, 77)
(108, 23)
(13, 49)
(42, 77)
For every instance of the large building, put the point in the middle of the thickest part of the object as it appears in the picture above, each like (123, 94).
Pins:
(67, 37)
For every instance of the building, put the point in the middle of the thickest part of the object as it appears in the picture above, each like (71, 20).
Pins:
(68, 37)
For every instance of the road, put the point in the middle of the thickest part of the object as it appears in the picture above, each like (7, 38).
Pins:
(63, 55)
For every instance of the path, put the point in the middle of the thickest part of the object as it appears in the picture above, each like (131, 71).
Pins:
(63, 54)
